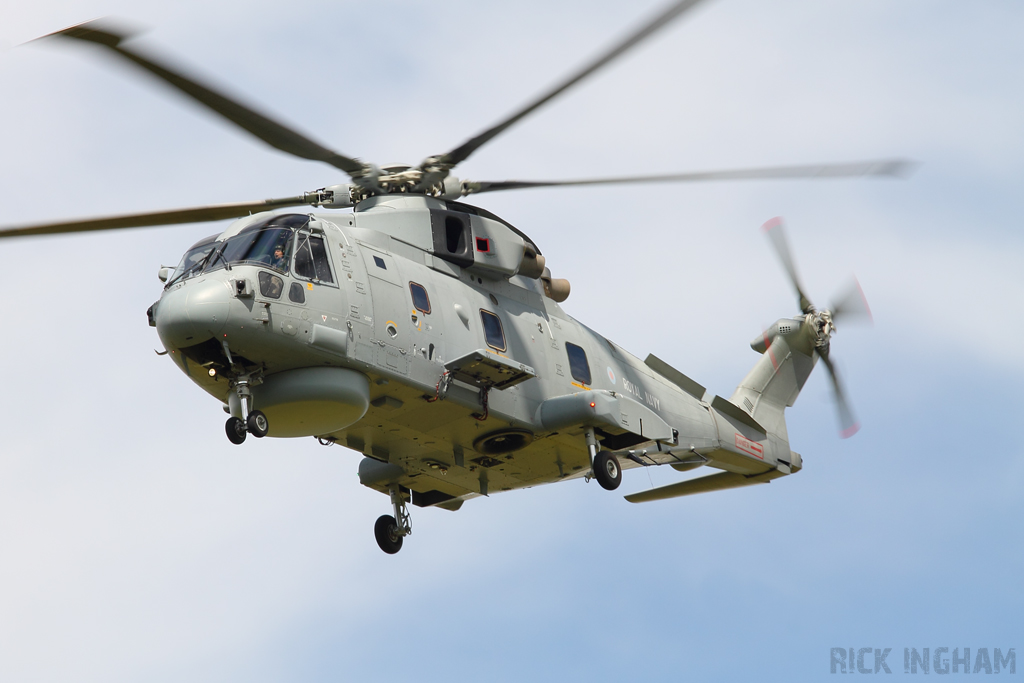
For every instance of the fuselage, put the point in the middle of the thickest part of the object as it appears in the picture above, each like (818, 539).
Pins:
(417, 332)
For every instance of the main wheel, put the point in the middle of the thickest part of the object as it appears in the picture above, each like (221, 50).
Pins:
(257, 424)
(235, 429)
(386, 532)
(607, 471)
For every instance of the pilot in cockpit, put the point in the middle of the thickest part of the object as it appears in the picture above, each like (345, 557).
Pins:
(279, 261)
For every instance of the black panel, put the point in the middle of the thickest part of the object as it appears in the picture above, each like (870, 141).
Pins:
(617, 442)
(484, 213)
(210, 353)
(429, 498)
(452, 237)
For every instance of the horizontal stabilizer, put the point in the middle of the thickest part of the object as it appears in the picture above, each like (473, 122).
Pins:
(736, 413)
(674, 376)
(713, 482)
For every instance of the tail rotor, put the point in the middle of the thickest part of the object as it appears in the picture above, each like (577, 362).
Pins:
(850, 306)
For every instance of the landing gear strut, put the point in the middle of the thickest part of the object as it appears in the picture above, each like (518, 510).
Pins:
(391, 531)
(252, 422)
(603, 465)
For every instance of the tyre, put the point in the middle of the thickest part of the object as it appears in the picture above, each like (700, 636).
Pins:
(386, 532)
(607, 471)
(257, 424)
(235, 429)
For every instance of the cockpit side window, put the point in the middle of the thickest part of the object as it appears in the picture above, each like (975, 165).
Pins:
(311, 261)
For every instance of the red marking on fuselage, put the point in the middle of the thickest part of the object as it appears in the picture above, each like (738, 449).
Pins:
(771, 355)
(750, 447)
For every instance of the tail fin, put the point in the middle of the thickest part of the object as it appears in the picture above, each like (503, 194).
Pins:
(788, 358)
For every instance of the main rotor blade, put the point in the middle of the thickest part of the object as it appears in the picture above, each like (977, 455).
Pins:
(773, 228)
(263, 127)
(848, 425)
(852, 304)
(885, 167)
(199, 214)
(462, 152)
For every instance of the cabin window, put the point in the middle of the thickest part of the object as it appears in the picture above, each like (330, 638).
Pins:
(296, 293)
(493, 333)
(578, 365)
(419, 297)
(311, 260)
(380, 262)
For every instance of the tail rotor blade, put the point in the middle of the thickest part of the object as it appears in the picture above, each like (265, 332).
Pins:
(848, 424)
(851, 304)
(777, 235)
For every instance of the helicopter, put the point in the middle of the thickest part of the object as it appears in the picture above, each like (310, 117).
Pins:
(427, 333)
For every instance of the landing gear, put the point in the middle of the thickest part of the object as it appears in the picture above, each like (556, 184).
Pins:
(254, 422)
(235, 429)
(607, 471)
(391, 531)
(604, 466)
(257, 424)
(386, 532)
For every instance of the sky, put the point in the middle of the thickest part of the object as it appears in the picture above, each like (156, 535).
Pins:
(137, 543)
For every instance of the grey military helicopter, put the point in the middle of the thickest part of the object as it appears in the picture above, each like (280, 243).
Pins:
(426, 333)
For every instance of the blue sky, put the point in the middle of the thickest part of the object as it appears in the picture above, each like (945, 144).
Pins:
(138, 544)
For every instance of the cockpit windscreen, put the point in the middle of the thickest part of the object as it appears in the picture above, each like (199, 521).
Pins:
(268, 247)
(193, 259)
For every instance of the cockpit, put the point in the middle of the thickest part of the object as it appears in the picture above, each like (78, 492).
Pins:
(281, 243)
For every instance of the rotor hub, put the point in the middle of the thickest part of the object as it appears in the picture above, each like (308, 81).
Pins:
(821, 323)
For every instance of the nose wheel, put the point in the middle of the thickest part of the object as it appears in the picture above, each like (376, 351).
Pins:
(235, 429)
(252, 422)
(257, 424)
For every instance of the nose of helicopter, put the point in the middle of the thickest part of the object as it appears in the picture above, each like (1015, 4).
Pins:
(193, 313)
